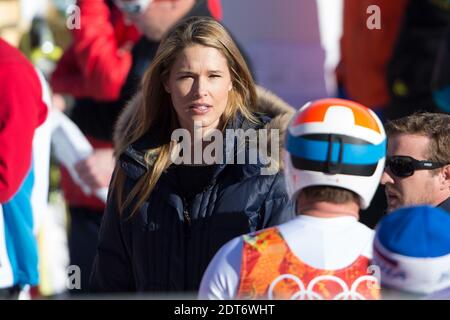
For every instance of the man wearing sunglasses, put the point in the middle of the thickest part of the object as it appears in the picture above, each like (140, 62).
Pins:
(418, 161)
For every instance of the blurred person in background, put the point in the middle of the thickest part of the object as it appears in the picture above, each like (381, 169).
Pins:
(422, 34)
(441, 75)
(362, 70)
(35, 23)
(102, 70)
(389, 50)
(165, 220)
(22, 111)
(365, 52)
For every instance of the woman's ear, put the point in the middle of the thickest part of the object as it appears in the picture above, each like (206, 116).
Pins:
(165, 82)
(230, 86)
(166, 86)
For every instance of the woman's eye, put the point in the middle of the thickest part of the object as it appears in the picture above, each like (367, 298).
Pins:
(214, 76)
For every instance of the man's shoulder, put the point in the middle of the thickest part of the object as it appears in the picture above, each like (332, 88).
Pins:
(11, 56)
(361, 227)
(15, 67)
(260, 235)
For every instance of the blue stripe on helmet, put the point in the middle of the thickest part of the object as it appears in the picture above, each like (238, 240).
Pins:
(317, 150)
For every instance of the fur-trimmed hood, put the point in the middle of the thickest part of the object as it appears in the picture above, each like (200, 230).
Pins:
(269, 104)
(185, 219)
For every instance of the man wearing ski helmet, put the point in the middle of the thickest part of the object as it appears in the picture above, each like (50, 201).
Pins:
(335, 154)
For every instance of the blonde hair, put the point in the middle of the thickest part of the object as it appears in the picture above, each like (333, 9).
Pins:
(154, 112)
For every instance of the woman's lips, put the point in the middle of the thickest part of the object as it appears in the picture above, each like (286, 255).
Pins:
(200, 108)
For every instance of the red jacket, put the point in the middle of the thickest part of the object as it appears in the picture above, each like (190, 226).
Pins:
(22, 110)
(96, 66)
(98, 62)
(365, 53)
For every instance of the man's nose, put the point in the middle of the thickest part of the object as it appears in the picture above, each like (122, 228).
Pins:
(386, 178)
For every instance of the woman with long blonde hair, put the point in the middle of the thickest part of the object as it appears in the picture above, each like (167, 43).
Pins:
(166, 217)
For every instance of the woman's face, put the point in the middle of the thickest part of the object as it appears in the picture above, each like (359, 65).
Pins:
(199, 83)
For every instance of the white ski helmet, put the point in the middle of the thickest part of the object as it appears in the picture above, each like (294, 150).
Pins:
(335, 142)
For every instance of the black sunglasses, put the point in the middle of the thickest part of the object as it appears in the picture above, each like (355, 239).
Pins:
(404, 166)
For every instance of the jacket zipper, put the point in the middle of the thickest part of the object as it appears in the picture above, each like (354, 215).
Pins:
(187, 236)
(187, 216)
(187, 231)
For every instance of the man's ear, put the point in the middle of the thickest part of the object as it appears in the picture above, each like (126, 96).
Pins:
(446, 176)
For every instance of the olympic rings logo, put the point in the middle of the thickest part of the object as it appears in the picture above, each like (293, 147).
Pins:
(309, 294)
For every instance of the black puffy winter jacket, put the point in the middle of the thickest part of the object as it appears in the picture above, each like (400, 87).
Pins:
(158, 249)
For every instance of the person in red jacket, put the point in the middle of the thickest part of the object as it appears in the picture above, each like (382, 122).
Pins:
(22, 110)
(102, 70)
(20, 87)
(365, 52)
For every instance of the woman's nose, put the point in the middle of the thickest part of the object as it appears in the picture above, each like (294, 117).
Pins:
(200, 88)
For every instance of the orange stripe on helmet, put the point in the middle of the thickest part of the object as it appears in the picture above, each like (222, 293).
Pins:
(317, 110)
